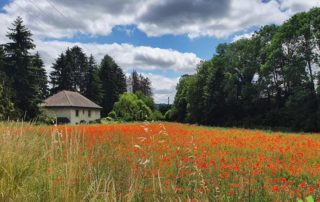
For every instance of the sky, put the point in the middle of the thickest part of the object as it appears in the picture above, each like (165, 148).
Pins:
(163, 40)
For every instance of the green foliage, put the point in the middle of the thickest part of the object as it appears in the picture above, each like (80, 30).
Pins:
(39, 76)
(140, 83)
(169, 115)
(93, 89)
(113, 83)
(45, 118)
(70, 71)
(148, 100)
(112, 115)
(179, 113)
(6, 105)
(157, 116)
(131, 108)
(28, 81)
(268, 80)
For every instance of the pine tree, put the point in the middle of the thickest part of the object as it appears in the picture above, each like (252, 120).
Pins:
(70, 71)
(59, 76)
(140, 83)
(113, 83)
(135, 81)
(79, 68)
(93, 89)
(20, 69)
(6, 104)
(2, 59)
(40, 76)
(145, 86)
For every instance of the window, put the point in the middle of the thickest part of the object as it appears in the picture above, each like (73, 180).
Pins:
(89, 113)
(77, 113)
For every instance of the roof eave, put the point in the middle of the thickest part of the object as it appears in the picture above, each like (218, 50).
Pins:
(60, 106)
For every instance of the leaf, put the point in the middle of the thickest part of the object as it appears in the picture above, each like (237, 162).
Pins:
(310, 199)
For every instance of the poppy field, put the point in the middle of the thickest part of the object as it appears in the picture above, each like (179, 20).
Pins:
(156, 162)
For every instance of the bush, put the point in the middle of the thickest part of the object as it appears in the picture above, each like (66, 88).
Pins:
(46, 118)
(168, 115)
(112, 115)
(157, 115)
(131, 108)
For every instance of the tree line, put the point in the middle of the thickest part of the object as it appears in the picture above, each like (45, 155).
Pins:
(270, 80)
(24, 83)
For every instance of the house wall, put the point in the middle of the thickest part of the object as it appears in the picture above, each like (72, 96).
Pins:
(70, 113)
(59, 112)
(84, 115)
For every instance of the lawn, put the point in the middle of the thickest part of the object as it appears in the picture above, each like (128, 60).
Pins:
(156, 162)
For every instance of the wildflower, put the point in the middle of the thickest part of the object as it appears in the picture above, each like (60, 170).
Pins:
(303, 185)
(275, 188)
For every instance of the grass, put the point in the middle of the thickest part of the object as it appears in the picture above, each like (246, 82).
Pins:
(155, 162)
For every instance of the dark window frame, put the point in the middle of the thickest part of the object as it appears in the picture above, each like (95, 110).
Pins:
(89, 113)
(77, 112)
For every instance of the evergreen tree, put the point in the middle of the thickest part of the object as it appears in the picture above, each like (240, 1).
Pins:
(135, 81)
(79, 68)
(2, 59)
(20, 69)
(93, 89)
(113, 83)
(140, 83)
(6, 104)
(60, 76)
(145, 86)
(70, 71)
(40, 76)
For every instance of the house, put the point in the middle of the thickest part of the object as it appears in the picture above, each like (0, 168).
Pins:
(72, 107)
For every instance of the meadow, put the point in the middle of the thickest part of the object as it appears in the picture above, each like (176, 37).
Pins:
(156, 162)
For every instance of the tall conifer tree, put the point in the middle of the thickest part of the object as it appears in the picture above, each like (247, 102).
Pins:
(93, 88)
(113, 83)
(21, 70)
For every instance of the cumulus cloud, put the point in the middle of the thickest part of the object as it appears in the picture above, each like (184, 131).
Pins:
(242, 36)
(177, 15)
(219, 18)
(126, 55)
(4, 22)
(294, 6)
(163, 87)
(58, 19)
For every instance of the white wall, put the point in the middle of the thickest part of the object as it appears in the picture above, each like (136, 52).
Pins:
(59, 112)
(83, 115)
(70, 113)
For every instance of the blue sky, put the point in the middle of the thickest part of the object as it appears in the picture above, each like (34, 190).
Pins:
(161, 39)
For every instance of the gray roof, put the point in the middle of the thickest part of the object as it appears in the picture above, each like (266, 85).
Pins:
(69, 99)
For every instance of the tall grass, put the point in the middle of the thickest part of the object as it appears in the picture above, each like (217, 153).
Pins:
(51, 164)
(41, 163)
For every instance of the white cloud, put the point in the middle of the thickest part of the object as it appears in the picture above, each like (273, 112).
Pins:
(127, 56)
(66, 18)
(220, 18)
(294, 6)
(4, 22)
(242, 36)
(163, 87)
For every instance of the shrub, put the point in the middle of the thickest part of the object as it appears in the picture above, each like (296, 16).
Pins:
(131, 108)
